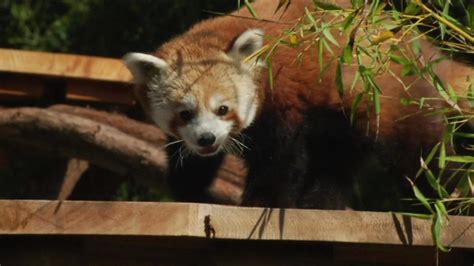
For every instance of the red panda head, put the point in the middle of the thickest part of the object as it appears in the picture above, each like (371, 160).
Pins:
(202, 96)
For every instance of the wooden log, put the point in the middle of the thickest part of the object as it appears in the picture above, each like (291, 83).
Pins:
(141, 130)
(63, 65)
(23, 217)
(77, 137)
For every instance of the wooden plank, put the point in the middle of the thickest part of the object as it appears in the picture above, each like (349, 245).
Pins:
(223, 222)
(63, 65)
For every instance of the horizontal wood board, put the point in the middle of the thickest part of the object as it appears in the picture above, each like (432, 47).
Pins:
(28, 217)
(63, 65)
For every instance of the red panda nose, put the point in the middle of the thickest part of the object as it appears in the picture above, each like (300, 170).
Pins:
(206, 139)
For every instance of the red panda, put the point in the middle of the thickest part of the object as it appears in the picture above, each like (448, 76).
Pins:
(300, 148)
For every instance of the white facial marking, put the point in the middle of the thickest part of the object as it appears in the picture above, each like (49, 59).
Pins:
(205, 122)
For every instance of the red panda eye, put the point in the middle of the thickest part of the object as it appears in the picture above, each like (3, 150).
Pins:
(223, 110)
(186, 115)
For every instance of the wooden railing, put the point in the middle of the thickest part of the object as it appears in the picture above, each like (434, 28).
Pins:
(35, 75)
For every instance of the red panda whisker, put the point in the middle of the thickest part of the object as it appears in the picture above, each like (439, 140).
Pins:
(239, 144)
(172, 143)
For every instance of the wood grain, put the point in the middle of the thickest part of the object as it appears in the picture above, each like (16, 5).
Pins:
(23, 217)
(78, 137)
(63, 65)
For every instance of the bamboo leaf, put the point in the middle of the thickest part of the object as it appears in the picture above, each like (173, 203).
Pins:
(339, 82)
(442, 155)
(399, 60)
(460, 159)
(355, 106)
(437, 229)
(326, 6)
(251, 9)
(346, 57)
(327, 46)
(426, 162)
(452, 93)
(348, 20)
(417, 215)
(442, 209)
(442, 26)
(328, 35)
(311, 18)
(270, 73)
(419, 195)
(412, 8)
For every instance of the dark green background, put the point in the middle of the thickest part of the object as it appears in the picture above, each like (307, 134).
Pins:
(100, 27)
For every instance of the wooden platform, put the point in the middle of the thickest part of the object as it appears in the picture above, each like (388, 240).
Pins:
(169, 231)
(63, 77)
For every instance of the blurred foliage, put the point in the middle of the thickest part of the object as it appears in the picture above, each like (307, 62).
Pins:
(99, 27)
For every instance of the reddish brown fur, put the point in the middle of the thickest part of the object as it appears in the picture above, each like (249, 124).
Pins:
(296, 92)
(295, 86)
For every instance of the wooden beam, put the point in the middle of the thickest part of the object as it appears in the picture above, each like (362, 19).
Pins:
(26, 217)
(63, 65)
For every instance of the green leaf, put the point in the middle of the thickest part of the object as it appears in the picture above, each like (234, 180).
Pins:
(405, 101)
(321, 58)
(355, 106)
(328, 35)
(464, 135)
(357, 3)
(348, 20)
(251, 9)
(409, 70)
(452, 93)
(326, 6)
(311, 18)
(339, 82)
(270, 72)
(347, 55)
(460, 159)
(437, 229)
(442, 155)
(377, 101)
(470, 15)
(417, 215)
(419, 195)
(428, 159)
(327, 46)
(412, 8)
(434, 183)
(399, 60)
(470, 95)
(442, 26)
(441, 208)
(416, 46)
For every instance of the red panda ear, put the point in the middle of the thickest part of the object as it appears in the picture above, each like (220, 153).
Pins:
(246, 44)
(144, 66)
